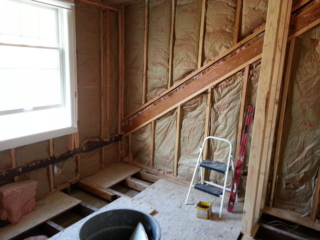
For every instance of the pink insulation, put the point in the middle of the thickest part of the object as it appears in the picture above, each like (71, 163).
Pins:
(17, 199)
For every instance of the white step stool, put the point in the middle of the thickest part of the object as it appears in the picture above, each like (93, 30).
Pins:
(214, 166)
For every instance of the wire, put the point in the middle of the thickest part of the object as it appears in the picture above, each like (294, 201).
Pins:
(283, 224)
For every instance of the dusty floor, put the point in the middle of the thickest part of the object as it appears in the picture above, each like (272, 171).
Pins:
(177, 220)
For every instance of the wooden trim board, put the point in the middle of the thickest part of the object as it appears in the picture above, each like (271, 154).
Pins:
(45, 209)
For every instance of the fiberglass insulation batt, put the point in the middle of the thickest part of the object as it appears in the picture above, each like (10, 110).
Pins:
(300, 149)
(193, 115)
(219, 27)
(134, 42)
(165, 138)
(187, 30)
(226, 99)
(158, 47)
(254, 14)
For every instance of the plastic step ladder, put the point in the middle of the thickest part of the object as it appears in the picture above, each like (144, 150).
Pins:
(212, 166)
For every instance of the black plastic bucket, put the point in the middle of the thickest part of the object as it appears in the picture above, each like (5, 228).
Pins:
(118, 224)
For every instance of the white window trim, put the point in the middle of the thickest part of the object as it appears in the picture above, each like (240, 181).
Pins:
(72, 65)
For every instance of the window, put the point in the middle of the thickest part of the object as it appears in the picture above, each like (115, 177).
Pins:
(37, 71)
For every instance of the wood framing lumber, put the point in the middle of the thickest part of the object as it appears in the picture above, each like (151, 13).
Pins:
(152, 146)
(177, 142)
(173, 9)
(281, 118)
(101, 68)
(13, 162)
(103, 109)
(147, 176)
(136, 184)
(117, 194)
(274, 50)
(304, 21)
(207, 124)
(237, 25)
(201, 34)
(300, 4)
(242, 107)
(121, 21)
(50, 167)
(315, 203)
(274, 103)
(87, 209)
(52, 228)
(293, 217)
(97, 190)
(99, 5)
(145, 52)
(165, 176)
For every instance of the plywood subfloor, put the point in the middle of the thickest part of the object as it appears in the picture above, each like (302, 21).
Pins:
(177, 220)
(45, 209)
(112, 175)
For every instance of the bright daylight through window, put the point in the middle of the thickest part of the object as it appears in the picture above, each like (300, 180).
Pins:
(37, 71)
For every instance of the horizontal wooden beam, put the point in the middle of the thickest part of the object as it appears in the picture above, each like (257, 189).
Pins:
(136, 184)
(305, 20)
(96, 190)
(11, 173)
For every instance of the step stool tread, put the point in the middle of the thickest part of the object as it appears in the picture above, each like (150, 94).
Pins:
(208, 189)
(214, 165)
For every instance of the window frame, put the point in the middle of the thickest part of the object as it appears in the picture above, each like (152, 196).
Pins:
(68, 76)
